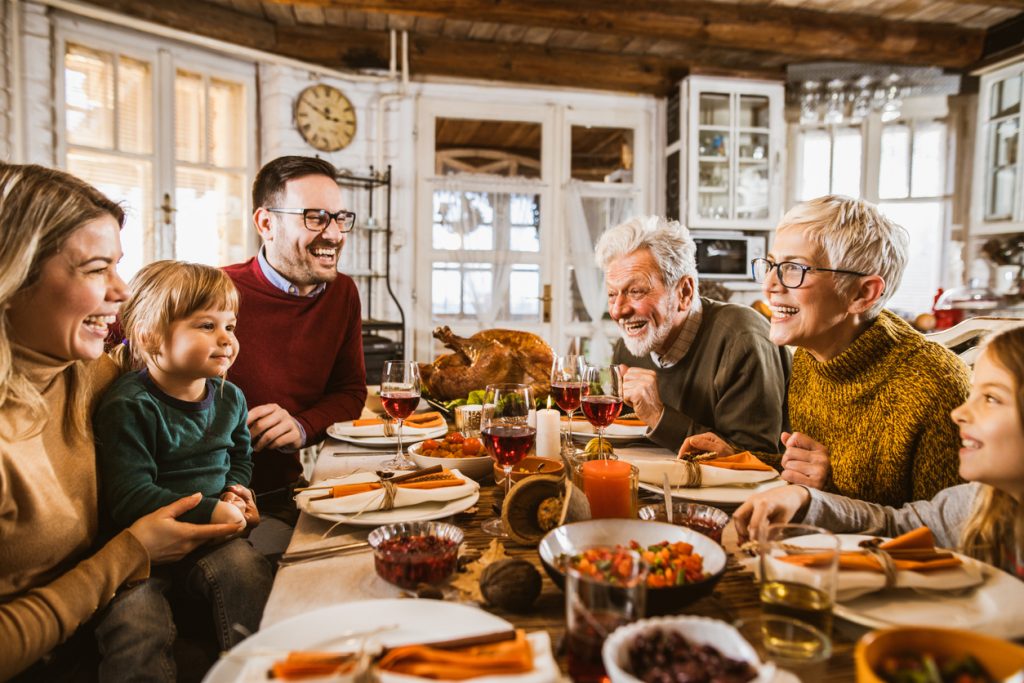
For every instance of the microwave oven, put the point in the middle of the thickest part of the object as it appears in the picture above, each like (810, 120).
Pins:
(727, 255)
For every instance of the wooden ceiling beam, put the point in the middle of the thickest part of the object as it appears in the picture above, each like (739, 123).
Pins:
(806, 34)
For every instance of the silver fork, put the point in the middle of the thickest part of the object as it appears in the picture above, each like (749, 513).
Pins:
(389, 428)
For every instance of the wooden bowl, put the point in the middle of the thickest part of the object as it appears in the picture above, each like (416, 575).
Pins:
(1001, 658)
(529, 466)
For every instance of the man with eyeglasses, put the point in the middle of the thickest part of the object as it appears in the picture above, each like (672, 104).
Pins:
(690, 364)
(300, 328)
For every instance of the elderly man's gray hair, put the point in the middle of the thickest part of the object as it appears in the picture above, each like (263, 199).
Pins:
(668, 241)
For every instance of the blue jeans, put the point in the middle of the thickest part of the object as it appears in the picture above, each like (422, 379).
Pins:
(136, 631)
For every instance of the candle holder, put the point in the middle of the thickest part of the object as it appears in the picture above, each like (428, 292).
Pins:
(611, 487)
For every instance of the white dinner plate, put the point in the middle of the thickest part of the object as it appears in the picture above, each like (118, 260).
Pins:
(721, 495)
(408, 437)
(985, 609)
(416, 621)
(614, 434)
(424, 512)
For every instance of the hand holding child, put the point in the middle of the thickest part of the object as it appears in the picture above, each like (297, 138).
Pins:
(243, 498)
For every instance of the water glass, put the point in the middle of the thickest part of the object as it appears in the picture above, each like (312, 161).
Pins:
(467, 420)
(799, 567)
(772, 635)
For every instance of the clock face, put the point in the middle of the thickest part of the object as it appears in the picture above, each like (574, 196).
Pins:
(325, 118)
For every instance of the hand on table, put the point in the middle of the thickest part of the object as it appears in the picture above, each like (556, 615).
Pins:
(805, 462)
(168, 540)
(704, 443)
(640, 390)
(242, 497)
(776, 506)
(272, 428)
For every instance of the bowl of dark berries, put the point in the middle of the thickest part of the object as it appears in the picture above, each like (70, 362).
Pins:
(682, 648)
(706, 519)
(412, 553)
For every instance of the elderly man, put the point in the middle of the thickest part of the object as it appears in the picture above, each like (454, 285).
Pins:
(299, 324)
(690, 365)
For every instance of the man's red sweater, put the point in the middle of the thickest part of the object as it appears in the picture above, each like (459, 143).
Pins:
(304, 354)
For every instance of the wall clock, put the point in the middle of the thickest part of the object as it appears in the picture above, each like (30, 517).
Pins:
(325, 118)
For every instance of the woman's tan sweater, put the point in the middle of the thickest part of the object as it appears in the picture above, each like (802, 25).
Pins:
(882, 409)
(52, 576)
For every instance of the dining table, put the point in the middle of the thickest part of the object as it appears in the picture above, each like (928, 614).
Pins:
(350, 576)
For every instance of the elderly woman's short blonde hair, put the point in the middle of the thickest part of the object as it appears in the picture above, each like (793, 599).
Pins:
(853, 234)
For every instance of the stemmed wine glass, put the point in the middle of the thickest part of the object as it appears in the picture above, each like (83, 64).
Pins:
(400, 394)
(567, 385)
(507, 434)
(603, 402)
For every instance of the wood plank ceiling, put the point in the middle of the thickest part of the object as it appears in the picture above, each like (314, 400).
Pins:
(641, 46)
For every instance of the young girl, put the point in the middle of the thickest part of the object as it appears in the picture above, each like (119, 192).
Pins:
(172, 426)
(985, 518)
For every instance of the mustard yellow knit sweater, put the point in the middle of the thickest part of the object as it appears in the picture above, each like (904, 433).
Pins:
(882, 409)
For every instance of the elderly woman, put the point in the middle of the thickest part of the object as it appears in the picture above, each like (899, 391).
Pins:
(869, 397)
(59, 290)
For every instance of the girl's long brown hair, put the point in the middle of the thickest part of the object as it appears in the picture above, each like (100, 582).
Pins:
(995, 529)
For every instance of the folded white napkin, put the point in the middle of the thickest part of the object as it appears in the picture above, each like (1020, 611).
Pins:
(584, 427)
(653, 467)
(346, 429)
(371, 500)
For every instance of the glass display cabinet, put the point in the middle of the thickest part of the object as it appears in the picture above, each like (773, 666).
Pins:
(998, 202)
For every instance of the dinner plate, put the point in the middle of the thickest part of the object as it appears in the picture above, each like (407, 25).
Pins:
(984, 609)
(408, 437)
(415, 621)
(423, 512)
(618, 435)
(722, 495)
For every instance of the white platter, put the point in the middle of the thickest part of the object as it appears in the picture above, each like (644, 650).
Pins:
(417, 621)
(424, 512)
(722, 495)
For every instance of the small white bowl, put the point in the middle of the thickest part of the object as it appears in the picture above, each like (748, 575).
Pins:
(373, 403)
(698, 630)
(475, 468)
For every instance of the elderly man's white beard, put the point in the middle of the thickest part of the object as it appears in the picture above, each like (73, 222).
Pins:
(653, 337)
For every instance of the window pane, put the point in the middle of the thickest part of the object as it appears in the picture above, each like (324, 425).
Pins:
(210, 221)
(134, 106)
(754, 111)
(129, 181)
(446, 289)
(507, 148)
(227, 123)
(89, 94)
(1006, 97)
(928, 175)
(189, 118)
(893, 176)
(524, 288)
(603, 155)
(924, 223)
(477, 288)
(847, 156)
(462, 220)
(524, 230)
(814, 154)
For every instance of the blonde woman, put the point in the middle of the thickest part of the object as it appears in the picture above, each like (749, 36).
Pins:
(59, 291)
(985, 518)
(869, 396)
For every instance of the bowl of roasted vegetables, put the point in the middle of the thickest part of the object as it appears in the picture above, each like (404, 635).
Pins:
(454, 451)
(922, 654)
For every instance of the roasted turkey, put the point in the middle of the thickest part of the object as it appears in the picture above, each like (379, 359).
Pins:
(488, 357)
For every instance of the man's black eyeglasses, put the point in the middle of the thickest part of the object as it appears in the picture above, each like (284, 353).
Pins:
(791, 274)
(317, 220)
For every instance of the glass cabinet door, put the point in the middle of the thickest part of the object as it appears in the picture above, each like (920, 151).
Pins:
(1003, 144)
(752, 154)
(714, 147)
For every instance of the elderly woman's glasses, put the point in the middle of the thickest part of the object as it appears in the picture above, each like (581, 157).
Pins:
(317, 220)
(791, 274)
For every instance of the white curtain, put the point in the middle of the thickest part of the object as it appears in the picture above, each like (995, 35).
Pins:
(590, 209)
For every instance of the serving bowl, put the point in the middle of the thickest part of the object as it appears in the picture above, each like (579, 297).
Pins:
(476, 467)
(697, 630)
(1001, 658)
(410, 553)
(529, 466)
(373, 403)
(570, 539)
(706, 519)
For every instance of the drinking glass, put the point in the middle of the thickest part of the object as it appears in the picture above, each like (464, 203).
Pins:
(567, 385)
(771, 635)
(507, 434)
(400, 394)
(595, 607)
(603, 401)
(799, 566)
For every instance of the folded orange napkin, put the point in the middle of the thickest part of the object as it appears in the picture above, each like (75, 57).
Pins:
(299, 665)
(738, 461)
(495, 659)
(437, 481)
(428, 420)
(917, 542)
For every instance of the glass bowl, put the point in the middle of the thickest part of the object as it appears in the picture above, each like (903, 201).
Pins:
(410, 553)
(706, 519)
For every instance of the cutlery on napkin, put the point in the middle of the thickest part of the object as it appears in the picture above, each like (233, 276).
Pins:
(740, 469)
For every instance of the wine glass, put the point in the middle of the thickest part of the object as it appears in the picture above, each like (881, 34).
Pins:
(603, 401)
(567, 386)
(400, 394)
(507, 434)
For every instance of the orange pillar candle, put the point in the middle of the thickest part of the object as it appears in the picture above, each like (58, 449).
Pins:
(610, 488)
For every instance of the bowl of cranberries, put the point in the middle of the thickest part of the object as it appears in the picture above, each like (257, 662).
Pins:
(408, 554)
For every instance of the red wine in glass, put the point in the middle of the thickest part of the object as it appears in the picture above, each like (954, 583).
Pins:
(399, 404)
(601, 411)
(568, 395)
(508, 444)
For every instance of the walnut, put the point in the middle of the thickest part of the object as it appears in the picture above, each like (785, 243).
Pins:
(512, 585)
